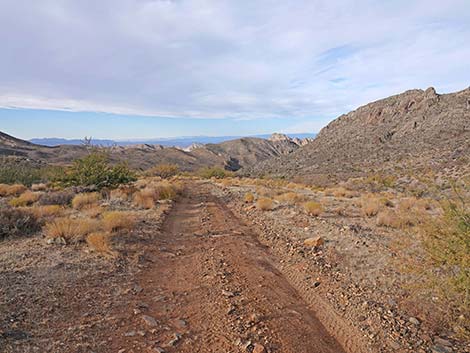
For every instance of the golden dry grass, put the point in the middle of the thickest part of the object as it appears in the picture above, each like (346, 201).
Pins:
(44, 211)
(25, 199)
(94, 211)
(145, 198)
(70, 229)
(313, 208)
(249, 197)
(265, 204)
(113, 221)
(84, 200)
(39, 187)
(12, 190)
(389, 218)
(100, 242)
(371, 205)
(290, 198)
(123, 193)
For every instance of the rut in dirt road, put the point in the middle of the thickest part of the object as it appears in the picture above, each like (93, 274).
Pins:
(212, 288)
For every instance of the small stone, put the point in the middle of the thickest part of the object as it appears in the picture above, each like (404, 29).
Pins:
(442, 342)
(414, 321)
(149, 321)
(129, 334)
(441, 349)
(314, 242)
(258, 348)
(227, 293)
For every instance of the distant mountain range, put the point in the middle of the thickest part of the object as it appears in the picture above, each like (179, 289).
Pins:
(182, 142)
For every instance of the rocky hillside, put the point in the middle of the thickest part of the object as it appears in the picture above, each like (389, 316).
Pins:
(232, 155)
(413, 130)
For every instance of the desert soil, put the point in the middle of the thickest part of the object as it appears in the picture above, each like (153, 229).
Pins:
(202, 282)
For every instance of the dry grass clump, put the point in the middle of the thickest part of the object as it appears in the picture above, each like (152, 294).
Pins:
(249, 197)
(265, 204)
(390, 218)
(84, 200)
(94, 211)
(11, 190)
(45, 211)
(113, 221)
(371, 205)
(69, 229)
(123, 193)
(145, 198)
(290, 197)
(101, 243)
(17, 222)
(164, 171)
(340, 192)
(63, 198)
(39, 187)
(313, 208)
(25, 199)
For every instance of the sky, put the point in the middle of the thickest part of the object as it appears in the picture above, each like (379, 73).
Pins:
(124, 69)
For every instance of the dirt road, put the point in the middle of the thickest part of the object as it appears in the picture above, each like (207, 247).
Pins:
(212, 287)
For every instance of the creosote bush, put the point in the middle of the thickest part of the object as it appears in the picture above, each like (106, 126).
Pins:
(95, 170)
(214, 172)
(265, 204)
(164, 171)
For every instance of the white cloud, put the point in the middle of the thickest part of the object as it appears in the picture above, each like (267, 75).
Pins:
(219, 59)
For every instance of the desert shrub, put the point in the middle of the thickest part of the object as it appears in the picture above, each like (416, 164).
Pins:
(70, 229)
(265, 204)
(95, 170)
(290, 198)
(93, 211)
(81, 201)
(12, 190)
(214, 172)
(113, 221)
(389, 218)
(16, 170)
(17, 222)
(123, 193)
(25, 199)
(447, 243)
(63, 198)
(46, 211)
(313, 208)
(370, 205)
(165, 191)
(164, 171)
(39, 187)
(145, 198)
(100, 242)
(249, 197)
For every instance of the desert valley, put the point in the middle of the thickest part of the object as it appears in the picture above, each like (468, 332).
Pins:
(354, 241)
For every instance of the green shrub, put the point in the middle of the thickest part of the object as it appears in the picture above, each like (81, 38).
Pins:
(17, 170)
(447, 243)
(95, 170)
(214, 172)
